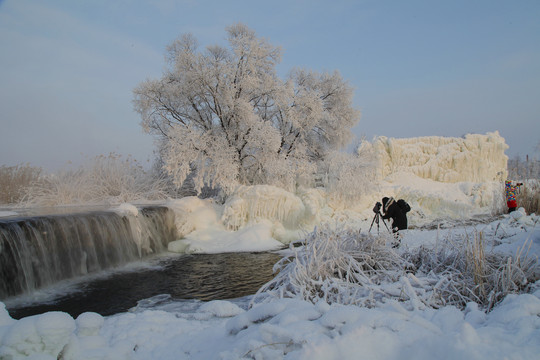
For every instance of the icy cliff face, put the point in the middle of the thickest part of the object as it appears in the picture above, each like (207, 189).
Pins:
(473, 158)
(443, 177)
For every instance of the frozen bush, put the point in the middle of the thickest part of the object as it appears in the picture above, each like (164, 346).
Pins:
(336, 266)
(462, 271)
(105, 179)
(349, 267)
(528, 196)
(14, 181)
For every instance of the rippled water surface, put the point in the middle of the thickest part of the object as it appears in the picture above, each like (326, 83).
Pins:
(203, 277)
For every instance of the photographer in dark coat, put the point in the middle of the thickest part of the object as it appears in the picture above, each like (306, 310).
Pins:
(395, 212)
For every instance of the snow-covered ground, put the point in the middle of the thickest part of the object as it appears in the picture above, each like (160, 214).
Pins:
(263, 218)
(296, 329)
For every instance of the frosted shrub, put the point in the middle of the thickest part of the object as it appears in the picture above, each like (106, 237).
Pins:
(59, 189)
(529, 196)
(14, 181)
(335, 266)
(124, 180)
(461, 271)
(106, 179)
(349, 267)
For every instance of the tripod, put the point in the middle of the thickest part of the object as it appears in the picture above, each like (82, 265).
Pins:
(376, 220)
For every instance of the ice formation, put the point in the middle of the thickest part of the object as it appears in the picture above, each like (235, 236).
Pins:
(193, 213)
(473, 158)
(201, 229)
(443, 177)
(250, 203)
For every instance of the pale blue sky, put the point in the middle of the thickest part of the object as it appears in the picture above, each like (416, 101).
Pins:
(419, 67)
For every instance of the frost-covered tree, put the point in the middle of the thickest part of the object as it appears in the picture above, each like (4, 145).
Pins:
(224, 114)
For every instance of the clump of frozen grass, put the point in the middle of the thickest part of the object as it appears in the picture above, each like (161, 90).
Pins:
(462, 272)
(336, 266)
(348, 267)
(529, 196)
(106, 179)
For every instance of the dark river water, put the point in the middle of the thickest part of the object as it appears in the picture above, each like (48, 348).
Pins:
(203, 276)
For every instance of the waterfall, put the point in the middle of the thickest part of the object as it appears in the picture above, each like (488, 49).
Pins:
(42, 250)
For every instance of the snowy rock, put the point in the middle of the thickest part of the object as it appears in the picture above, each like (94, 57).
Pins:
(89, 323)
(45, 334)
(518, 214)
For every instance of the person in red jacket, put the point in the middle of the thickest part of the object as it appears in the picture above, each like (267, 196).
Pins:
(510, 193)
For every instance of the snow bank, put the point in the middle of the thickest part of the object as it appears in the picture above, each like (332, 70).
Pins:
(45, 334)
(256, 237)
(288, 328)
(296, 329)
(259, 218)
(202, 230)
(473, 158)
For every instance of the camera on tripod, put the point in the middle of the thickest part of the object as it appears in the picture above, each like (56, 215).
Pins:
(378, 215)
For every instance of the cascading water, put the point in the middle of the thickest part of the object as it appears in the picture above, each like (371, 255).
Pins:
(40, 251)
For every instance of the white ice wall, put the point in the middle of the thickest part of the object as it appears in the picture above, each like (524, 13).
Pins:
(472, 158)
(443, 177)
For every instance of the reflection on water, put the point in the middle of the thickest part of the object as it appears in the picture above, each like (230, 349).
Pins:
(203, 277)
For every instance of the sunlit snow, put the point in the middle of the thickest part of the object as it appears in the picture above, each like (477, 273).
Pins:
(450, 184)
